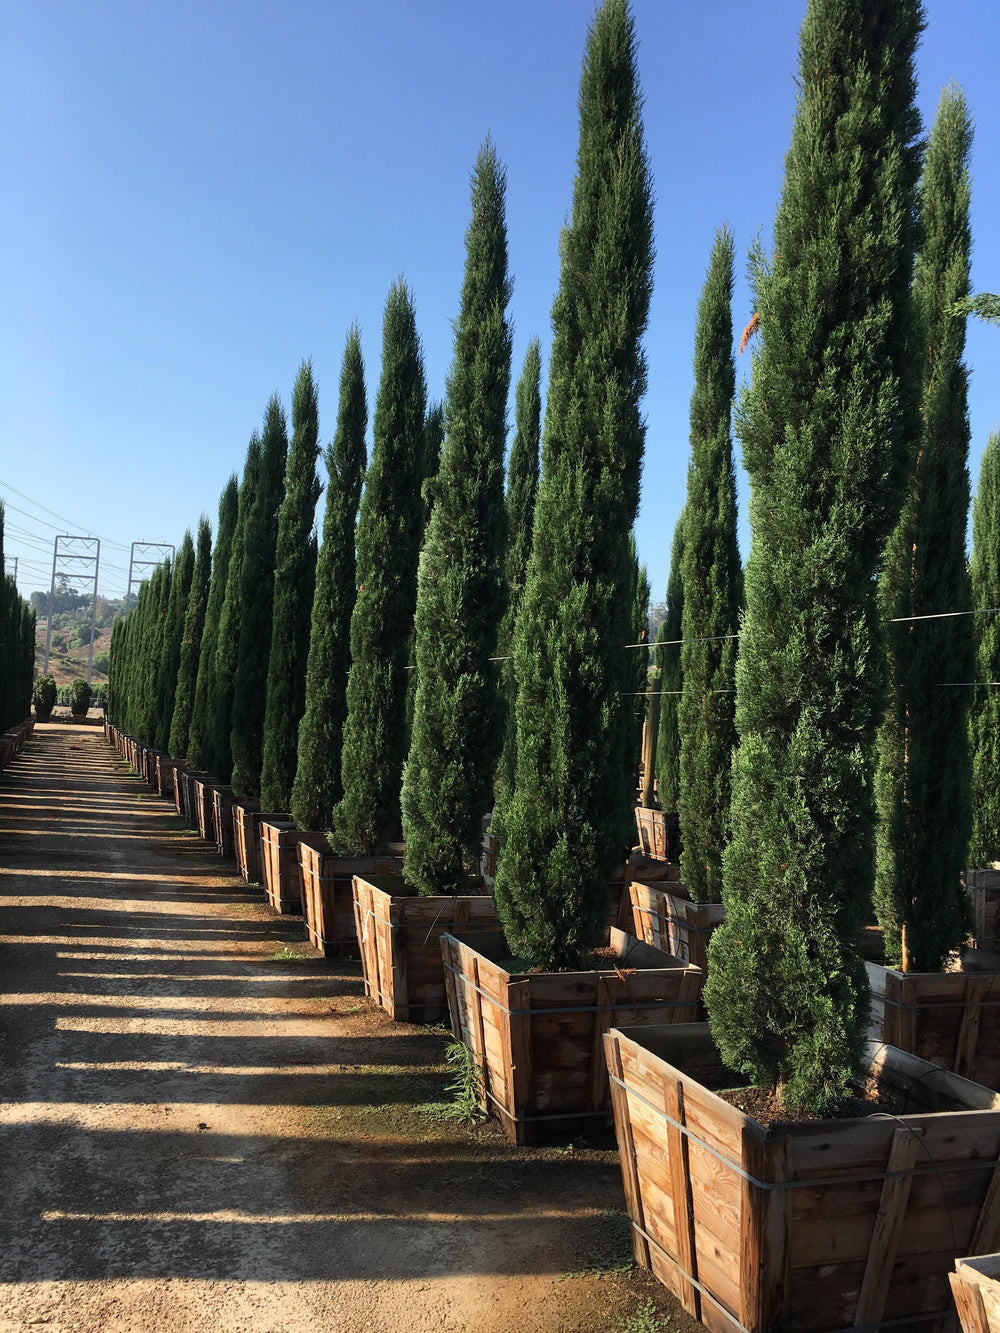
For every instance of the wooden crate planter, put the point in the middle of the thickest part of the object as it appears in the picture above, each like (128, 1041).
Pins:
(951, 1019)
(187, 804)
(166, 773)
(328, 894)
(975, 1286)
(537, 1036)
(247, 817)
(280, 863)
(399, 936)
(202, 790)
(664, 917)
(808, 1227)
(222, 820)
(659, 833)
(983, 888)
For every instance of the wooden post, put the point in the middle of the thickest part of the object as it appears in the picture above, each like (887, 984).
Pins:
(888, 1225)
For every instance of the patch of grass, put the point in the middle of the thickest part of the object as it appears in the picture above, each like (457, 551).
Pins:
(468, 1095)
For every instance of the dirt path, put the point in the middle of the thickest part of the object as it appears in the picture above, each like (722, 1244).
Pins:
(198, 1135)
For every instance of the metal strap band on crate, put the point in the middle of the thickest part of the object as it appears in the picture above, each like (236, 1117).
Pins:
(740, 1328)
(930, 1168)
(937, 1004)
(541, 1119)
(572, 1008)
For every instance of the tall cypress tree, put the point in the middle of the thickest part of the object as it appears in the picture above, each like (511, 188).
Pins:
(317, 785)
(458, 718)
(389, 531)
(194, 623)
(922, 780)
(199, 750)
(522, 488)
(522, 485)
(563, 822)
(173, 635)
(227, 648)
(257, 602)
(713, 591)
(294, 584)
(669, 663)
(984, 569)
(827, 426)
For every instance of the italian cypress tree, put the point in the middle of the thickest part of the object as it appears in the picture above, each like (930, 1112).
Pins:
(199, 751)
(152, 650)
(640, 684)
(294, 584)
(922, 781)
(713, 590)
(389, 531)
(173, 635)
(985, 573)
(227, 648)
(563, 820)
(669, 664)
(458, 718)
(827, 426)
(522, 485)
(194, 624)
(257, 605)
(317, 785)
(433, 444)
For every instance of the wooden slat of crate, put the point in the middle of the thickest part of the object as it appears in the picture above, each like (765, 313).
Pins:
(189, 797)
(328, 894)
(222, 820)
(885, 1262)
(671, 922)
(975, 1285)
(558, 1019)
(166, 768)
(949, 1018)
(651, 826)
(399, 936)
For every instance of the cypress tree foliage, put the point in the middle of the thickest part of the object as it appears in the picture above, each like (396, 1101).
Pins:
(458, 718)
(294, 585)
(201, 735)
(257, 605)
(433, 444)
(922, 783)
(827, 425)
(317, 786)
(563, 820)
(173, 635)
(17, 647)
(640, 684)
(522, 487)
(984, 569)
(152, 650)
(388, 538)
(669, 664)
(713, 591)
(194, 624)
(227, 649)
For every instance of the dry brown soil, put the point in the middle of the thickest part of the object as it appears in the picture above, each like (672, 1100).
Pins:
(198, 1135)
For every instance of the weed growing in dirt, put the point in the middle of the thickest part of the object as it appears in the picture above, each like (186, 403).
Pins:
(645, 1320)
(286, 954)
(612, 1253)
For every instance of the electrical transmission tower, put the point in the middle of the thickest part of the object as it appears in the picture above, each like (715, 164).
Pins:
(74, 558)
(144, 559)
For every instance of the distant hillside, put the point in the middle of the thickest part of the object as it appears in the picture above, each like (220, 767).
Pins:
(70, 645)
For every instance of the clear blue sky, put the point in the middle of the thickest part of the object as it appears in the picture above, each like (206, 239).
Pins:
(198, 195)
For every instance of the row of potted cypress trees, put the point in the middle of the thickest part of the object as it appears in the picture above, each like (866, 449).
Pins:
(17, 648)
